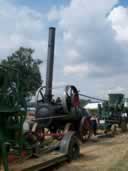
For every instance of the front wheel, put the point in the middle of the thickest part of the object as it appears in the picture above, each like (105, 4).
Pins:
(70, 146)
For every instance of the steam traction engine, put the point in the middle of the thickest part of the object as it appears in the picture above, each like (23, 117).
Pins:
(22, 138)
(112, 113)
(23, 148)
(65, 114)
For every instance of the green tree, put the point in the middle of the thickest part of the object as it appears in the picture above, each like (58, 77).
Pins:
(30, 76)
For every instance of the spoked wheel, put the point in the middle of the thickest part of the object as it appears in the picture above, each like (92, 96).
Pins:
(69, 145)
(40, 95)
(84, 130)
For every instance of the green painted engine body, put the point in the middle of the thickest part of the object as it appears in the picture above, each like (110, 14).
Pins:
(12, 111)
(111, 110)
(116, 99)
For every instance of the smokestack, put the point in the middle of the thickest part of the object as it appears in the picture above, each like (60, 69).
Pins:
(50, 63)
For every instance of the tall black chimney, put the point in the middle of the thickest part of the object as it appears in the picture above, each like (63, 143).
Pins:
(50, 63)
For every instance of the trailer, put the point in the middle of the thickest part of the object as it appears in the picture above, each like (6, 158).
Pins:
(53, 153)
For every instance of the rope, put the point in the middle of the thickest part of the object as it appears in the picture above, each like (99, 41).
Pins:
(90, 97)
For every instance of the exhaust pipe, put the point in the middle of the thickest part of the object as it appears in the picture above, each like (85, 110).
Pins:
(50, 63)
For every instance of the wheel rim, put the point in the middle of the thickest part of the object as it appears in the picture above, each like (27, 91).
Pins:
(73, 150)
(84, 132)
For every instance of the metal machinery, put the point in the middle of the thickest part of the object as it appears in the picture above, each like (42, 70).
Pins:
(63, 114)
(23, 139)
(112, 112)
(12, 113)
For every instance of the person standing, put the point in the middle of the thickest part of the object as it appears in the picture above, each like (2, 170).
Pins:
(94, 123)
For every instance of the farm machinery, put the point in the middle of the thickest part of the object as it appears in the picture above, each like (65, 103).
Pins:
(12, 113)
(63, 114)
(112, 113)
(51, 135)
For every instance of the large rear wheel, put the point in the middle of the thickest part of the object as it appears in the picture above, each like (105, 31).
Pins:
(85, 130)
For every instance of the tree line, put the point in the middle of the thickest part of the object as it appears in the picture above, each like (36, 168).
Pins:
(28, 67)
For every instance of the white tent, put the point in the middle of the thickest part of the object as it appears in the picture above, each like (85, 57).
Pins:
(92, 106)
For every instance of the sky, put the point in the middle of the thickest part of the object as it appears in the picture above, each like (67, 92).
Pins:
(91, 48)
(123, 2)
(42, 5)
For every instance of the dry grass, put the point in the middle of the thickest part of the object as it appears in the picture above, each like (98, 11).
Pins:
(121, 165)
(106, 155)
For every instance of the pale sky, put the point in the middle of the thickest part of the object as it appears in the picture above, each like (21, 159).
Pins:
(91, 40)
